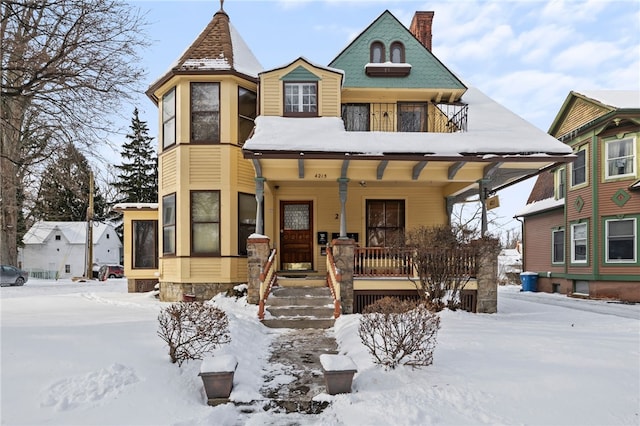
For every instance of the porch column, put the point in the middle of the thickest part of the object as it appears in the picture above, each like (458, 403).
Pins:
(487, 277)
(343, 206)
(258, 250)
(343, 254)
(482, 189)
(259, 199)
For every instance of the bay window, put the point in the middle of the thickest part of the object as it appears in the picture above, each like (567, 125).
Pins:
(205, 222)
(205, 112)
(169, 224)
(169, 118)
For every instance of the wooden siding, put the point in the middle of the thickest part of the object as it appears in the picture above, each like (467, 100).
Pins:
(246, 174)
(538, 241)
(271, 90)
(205, 164)
(581, 112)
(169, 171)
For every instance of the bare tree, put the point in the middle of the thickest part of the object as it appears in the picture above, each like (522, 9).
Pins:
(67, 66)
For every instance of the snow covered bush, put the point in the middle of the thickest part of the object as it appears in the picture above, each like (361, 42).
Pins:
(399, 332)
(191, 329)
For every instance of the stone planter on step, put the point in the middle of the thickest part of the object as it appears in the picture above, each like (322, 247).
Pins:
(217, 377)
(338, 373)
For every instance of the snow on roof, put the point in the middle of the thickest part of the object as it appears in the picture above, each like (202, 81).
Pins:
(540, 206)
(129, 206)
(614, 98)
(492, 129)
(74, 232)
(244, 61)
(313, 64)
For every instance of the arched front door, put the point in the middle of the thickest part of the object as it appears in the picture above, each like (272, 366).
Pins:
(296, 235)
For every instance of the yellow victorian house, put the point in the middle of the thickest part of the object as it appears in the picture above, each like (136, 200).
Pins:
(307, 159)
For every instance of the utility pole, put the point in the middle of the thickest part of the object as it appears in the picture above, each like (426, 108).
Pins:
(89, 251)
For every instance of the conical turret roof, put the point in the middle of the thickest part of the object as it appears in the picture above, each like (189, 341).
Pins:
(218, 49)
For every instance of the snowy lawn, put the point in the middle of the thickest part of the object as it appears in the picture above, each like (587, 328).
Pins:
(88, 353)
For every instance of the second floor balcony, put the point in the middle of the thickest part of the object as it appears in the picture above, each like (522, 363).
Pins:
(405, 117)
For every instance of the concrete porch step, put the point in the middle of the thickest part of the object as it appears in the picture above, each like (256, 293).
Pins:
(299, 307)
(303, 281)
(298, 323)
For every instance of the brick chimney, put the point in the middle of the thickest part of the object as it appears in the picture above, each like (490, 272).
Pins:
(421, 27)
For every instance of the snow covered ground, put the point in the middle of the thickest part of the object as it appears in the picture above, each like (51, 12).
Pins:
(88, 353)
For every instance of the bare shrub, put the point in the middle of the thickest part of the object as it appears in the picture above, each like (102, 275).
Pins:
(191, 329)
(399, 332)
(443, 263)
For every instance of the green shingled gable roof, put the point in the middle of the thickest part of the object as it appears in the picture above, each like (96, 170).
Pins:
(426, 70)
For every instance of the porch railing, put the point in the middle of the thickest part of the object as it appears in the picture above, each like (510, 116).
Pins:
(383, 262)
(268, 278)
(333, 281)
(398, 262)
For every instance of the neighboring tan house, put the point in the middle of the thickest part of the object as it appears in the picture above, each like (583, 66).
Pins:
(59, 249)
(582, 222)
(383, 139)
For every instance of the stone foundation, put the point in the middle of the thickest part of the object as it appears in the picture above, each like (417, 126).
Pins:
(175, 292)
(137, 285)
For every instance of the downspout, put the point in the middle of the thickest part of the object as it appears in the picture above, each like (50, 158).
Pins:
(342, 190)
(259, 195)
(342, 183)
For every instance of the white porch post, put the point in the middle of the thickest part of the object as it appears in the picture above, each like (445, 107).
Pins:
(343, 206)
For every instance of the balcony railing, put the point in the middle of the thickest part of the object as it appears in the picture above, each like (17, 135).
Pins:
(406, 117)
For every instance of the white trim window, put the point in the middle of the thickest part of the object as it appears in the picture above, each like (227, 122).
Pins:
(621, 240)
(557, 246)
(300, 98)
(579, 167)
(169, 118)
(560, 183)
(620, 158)
(579, 243)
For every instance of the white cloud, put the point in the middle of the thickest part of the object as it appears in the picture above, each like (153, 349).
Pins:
(576, 11)
(589, 55)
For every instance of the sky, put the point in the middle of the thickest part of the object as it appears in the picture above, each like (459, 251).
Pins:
(77, 353)
(526, 55)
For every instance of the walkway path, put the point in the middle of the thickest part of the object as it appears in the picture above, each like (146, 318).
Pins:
(295, 376)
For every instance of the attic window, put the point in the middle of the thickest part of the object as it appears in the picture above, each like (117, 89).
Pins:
(377, 52)
(397, 53)
(300, 99)
(107, 236)
(57, 237)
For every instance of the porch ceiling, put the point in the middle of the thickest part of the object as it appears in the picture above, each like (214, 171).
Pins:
(456, 176)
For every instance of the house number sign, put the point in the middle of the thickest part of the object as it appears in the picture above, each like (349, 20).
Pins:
(320, 175)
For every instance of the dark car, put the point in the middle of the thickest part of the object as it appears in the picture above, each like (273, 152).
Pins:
(10, 275)
(110, 271)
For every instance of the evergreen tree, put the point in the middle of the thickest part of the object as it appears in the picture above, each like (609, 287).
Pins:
(64, 188)
(138, 177)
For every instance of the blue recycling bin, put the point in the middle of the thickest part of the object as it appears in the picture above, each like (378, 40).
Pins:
(529, 281)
